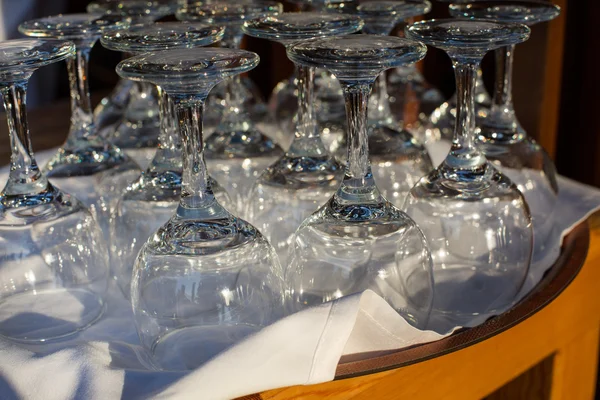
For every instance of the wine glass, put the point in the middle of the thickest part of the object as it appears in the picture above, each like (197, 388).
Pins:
(475, 219)
(238, 150)
(86, 165)
(358, 240)
(248, 94)
(53, 259)
(152, 199)
(206, 278)
(328, 98)
(440, 123)
(300, 181)
(111, 109)
(398, 159)
(501, 137)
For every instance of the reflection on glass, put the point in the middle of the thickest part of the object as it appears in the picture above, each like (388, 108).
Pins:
(475, 219)
(502, 138)
(358, 240)
(152, 199)
(307, 175)
(86, 165)
(238, 150)
(53, 259)
(206, 278)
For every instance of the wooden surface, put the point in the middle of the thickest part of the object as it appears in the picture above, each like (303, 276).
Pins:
(560, 344)
(550, 110)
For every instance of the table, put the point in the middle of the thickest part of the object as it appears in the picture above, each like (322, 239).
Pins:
(553, 354)
(554, 350)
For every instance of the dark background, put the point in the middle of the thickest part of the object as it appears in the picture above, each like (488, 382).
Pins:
(577, 136)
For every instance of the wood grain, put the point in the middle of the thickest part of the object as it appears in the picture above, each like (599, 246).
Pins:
(550, 111)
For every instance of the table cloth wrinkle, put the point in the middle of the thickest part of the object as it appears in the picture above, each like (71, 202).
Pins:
(106, 361)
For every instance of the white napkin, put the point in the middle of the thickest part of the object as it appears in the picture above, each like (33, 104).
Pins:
(106, 361)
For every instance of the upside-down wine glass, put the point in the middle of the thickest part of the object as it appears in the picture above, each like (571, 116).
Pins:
(501, 137)
(398, 159)
(86, 165)
(440, 123)
(112, 109)
(238, 150)
(152, 199)
(328, 98)
(294, 186)
(53, 259)
(248, 94)
(205, 279)
(358, 240)
(475, 219)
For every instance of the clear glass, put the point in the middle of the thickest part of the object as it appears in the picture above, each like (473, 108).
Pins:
(112, 109)
(152, 199)
(328, 98)
(205, 279)
(476, 221)
(293, 187)
(138, 131)
(238, 150)
(53, 258)
(358, 240)
(501, 137)
(398, 158)
(412, 97)
(86, 165)
(440, 123)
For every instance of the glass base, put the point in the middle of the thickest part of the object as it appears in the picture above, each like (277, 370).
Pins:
(188, 348)
(240, 144)
(85, 158)
(42, 315)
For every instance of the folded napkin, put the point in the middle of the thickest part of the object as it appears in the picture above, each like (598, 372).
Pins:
(106, 361)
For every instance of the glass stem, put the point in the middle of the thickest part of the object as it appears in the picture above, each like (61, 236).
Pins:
(82, 125)
(167, 139)
(196, 193)
(307, 140)
(502, 114)
(380, 109)
(24, 176)
(358, 185)
(167, 157)
(464, 154)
